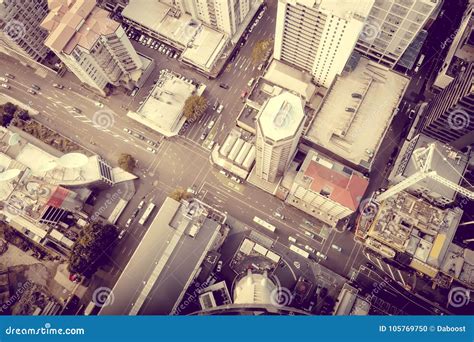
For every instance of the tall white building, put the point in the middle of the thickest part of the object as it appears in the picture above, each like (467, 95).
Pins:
(392, 26)
(318, 36)
(222, 15)
(20, 32)
(93, 46)
(279, 126)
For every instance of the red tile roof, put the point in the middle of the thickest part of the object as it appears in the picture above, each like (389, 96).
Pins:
(345, 190)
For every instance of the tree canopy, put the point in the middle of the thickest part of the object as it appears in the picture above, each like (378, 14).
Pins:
(260, 50)
(179, 193)
(194, 107)
(127, 162)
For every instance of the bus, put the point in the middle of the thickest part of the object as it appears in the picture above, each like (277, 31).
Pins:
(264, 224)
(299, 251)
(147, 213)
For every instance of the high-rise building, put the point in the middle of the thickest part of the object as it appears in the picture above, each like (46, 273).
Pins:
(279, 126)
(318, 36)
(392, 26)
(449, 117)
(20, 32)
(222, 15)
(93, 46)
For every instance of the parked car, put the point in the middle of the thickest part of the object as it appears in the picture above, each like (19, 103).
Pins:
(211, 145)
(309, 249)
(224, 85)
(99, 104)
(59, 86)
(336, 247)
(250, 83)
(223, 172)
(219, 266)
(35, 87)
(220, 108)
(216, 104)
(152, 150)
(10, 76)
(244, 93)
(291, 239)
(203, 136)
(321, 255)
(122, 233)
(412, 113)
(211, 123)
(141, 204)
(128, 223)
(235, 179)
(77, 110)
(280, 216)
(127, 130)
(4, 79)
(6, 86)
(311, 235)
(31, 91)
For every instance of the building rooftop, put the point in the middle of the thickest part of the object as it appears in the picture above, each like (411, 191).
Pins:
(162, 110)
(351, 106)
(281, 116)
(340, 183)
(410, 225)
(341, 8)
(72, 23)
(165, 262)
(149, 13)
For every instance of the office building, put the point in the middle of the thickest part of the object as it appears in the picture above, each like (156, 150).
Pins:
(279, 126)
(319, 36)
(392, 25)
(222, 15)
(20, 32)
(93, 46)
(449, 117)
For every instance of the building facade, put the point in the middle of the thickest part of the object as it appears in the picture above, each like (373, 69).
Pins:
(20, 32)
(319, 36)
(93, 46)
(222, 15)
(279, 127)
(391, 27)
(449, 117)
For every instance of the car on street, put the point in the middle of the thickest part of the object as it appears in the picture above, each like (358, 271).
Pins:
(336, 247)
(150, 149)
(127, 130)
(203, 136)
(6, 86)
(77, 110)
(211, 124)
(224, 86)
(138, 136)
(10, 76)
(99, 104)
(211, 144)
(235, 179)
(411, 114)
(223, 172)
(291, 239)
(250, 83)
(309, 249)
(309, 234)
(280, 216)
(243, 94)
(321, 255)
(4, 79)
(141, 204)
(59, 86)
(216, 104)
(220, 108)
(122, 233)
(219, 266)
(129, 222)
(35, 87)
(31, 91)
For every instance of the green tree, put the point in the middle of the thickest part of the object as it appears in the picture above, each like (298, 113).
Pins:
(127, 162)
(260, 50)
(194, 107)
(9, 108)
(87, 253)
(179, 193)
